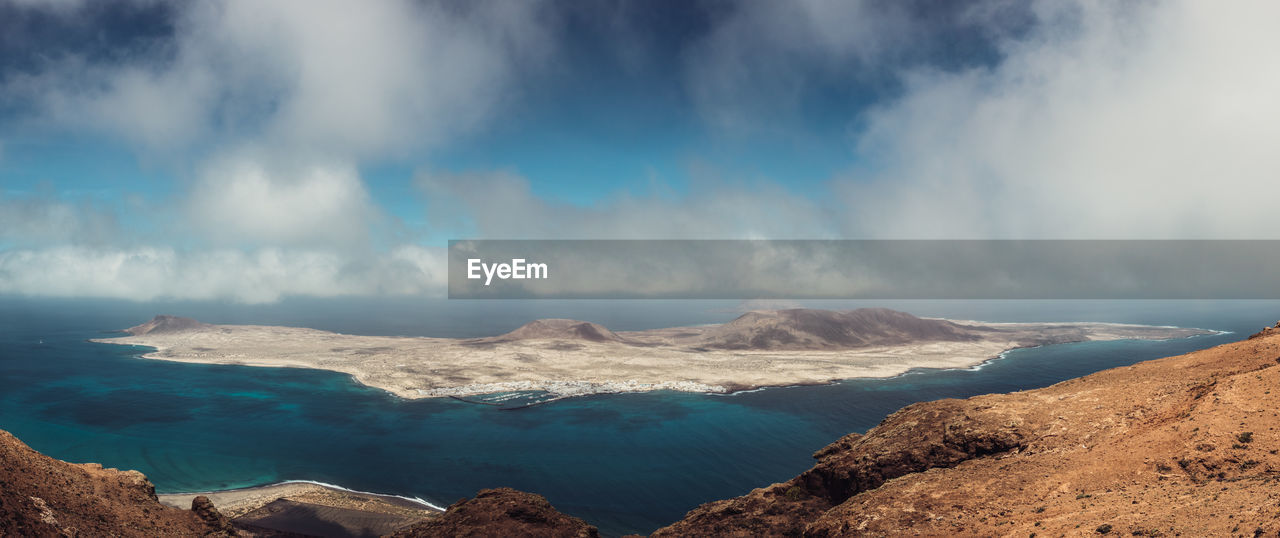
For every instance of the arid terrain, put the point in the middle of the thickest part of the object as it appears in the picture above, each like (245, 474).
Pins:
(44, 497)
(570, 358)
(1180, 446)
(501, 512)
(41, 496)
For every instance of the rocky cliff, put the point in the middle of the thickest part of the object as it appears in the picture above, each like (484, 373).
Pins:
(1184, 445)
(41, 496)
(501, 512)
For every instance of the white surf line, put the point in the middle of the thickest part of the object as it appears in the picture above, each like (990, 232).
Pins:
(768, 387)
(418, 500)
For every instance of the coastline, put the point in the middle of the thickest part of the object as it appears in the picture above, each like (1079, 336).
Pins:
(562, 389)
(420, 367)
(237, 502)
(973, 368)
(1177, 445)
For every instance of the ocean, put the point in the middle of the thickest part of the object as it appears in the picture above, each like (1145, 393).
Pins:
(626, 463)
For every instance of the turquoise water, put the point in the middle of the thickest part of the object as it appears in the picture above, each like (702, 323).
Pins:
(627, 463)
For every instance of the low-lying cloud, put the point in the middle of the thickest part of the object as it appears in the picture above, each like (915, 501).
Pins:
(248, 276)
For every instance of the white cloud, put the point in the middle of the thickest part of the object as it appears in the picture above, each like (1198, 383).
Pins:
(277, 103)
(502, 205)
(760, 57)
(323, 76)
(242, 199)
(1112, 120)
(255, 276)
(42, 220)
(1103, 120)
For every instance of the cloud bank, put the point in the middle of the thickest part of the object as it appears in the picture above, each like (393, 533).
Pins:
(315, 76)
(502, 204)
(1149, 120)
(254, 276)
(268, 110)
(1077, 120)
(1114, 120)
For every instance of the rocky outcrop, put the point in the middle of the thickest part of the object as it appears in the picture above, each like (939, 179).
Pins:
(501, 512)
(166, 324)
(203, 508)
(41, 496)
(1184, 445)
(915, 439)
(1266, 331)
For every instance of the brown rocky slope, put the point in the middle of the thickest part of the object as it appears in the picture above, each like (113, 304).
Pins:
(1185, 445)
(44, 497)
(41, 496)
(501, 512)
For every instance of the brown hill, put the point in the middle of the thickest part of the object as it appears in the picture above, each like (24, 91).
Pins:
(41, 496)
(501, 512)
(795, 329)
(804, 328)
(1184, 445)
(166, 324)
(561, 329)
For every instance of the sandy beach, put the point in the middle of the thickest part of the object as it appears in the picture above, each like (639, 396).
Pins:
(571, 358)
(305, 507)
(237, 502)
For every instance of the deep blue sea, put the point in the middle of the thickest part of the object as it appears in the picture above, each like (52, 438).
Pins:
(626, 463)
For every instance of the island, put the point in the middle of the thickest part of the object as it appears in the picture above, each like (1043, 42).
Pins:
(1179, 446)
(562, 358)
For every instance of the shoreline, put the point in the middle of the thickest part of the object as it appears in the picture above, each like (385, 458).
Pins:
(972, 368)
(560, 367)
(236, 502)
(577, 388)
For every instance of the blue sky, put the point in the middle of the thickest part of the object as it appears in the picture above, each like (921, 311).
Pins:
(611, 109)
(321, 148)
